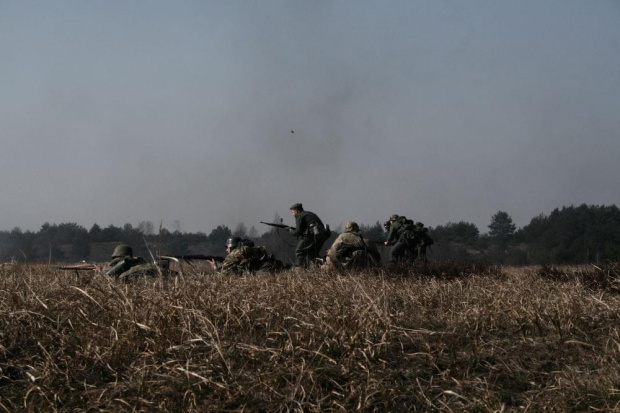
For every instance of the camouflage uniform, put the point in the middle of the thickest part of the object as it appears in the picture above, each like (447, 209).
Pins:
(351, 251)
(234, 263)
(245, 259)
(312, 234)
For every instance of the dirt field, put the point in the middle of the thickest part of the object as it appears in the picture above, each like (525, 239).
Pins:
(447, 337)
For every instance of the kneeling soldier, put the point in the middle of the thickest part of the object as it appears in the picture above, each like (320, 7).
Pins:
(352, 251)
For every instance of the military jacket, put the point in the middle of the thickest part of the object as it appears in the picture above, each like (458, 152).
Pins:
(304, 221)
(234, 262)
(395, 233)
(119, 265)
(347, 243)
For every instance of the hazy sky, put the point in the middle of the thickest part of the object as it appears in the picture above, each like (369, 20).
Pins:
(123, 111)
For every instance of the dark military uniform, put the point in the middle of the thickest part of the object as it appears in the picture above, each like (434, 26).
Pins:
(119, 265)
(125, 267)
(421, 240)
(312, 234)
(396, 238)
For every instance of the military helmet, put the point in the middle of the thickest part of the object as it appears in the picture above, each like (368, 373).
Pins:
(297, 206)
(351, 227)
(122, 250)
(394, 217)
(246, 242)
(233, 242)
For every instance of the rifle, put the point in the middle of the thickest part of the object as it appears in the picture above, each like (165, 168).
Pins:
(276, 225)
(190, 258)
(78, 267)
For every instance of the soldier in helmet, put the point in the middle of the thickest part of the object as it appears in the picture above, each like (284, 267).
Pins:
(122, 260)
(244, 257)
(352, 251)
(420, 242)
(127, 268)
(310, 232)
(235, 256)
(396, 238)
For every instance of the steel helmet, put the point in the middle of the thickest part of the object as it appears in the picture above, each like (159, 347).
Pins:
(122, 250)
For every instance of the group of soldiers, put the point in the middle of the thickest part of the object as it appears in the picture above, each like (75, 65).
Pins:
(351, 250)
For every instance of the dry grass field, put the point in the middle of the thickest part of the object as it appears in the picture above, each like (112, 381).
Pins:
(446, 337)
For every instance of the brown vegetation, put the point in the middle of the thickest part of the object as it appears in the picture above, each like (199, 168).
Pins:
(445, 337)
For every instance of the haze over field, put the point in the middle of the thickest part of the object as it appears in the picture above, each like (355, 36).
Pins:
(115, 112)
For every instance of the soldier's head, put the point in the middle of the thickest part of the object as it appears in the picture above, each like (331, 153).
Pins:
(296, 209)
(246, 242)
(351, 227)
(232, 243)
(394, 218)
(122, 250)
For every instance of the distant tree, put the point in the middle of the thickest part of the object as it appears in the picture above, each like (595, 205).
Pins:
(501, 227)
(176, 226)
(95, 234)
(219, 235)
(460, 232)
(146, 228)
(240, 230)
(373, 232)
(253, 232)
(112, 234)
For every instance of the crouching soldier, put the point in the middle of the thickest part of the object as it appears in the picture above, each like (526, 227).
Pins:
(352, 251)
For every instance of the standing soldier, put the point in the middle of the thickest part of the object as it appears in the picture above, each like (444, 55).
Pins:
(420, 242)
(395, 238)
(311, 232)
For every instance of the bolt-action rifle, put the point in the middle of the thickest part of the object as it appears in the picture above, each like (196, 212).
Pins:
(276, 225)
(190, 258)
(79, 267)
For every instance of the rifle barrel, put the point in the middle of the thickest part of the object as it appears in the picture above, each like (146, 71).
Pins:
(275, 225)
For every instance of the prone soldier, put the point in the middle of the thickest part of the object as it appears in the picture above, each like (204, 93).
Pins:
(243, 257)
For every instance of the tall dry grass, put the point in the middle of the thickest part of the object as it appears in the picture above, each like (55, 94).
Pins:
(447, 337)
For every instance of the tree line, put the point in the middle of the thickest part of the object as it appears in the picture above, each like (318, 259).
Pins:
(570, 235)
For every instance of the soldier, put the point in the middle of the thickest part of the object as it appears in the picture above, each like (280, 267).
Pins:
(420, 242)
(125, 267)
(395, 237)
(122, 260)
(352, 251)
(312, 234)
(244, 257)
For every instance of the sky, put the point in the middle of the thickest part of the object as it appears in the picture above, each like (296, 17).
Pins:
(219, 112)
